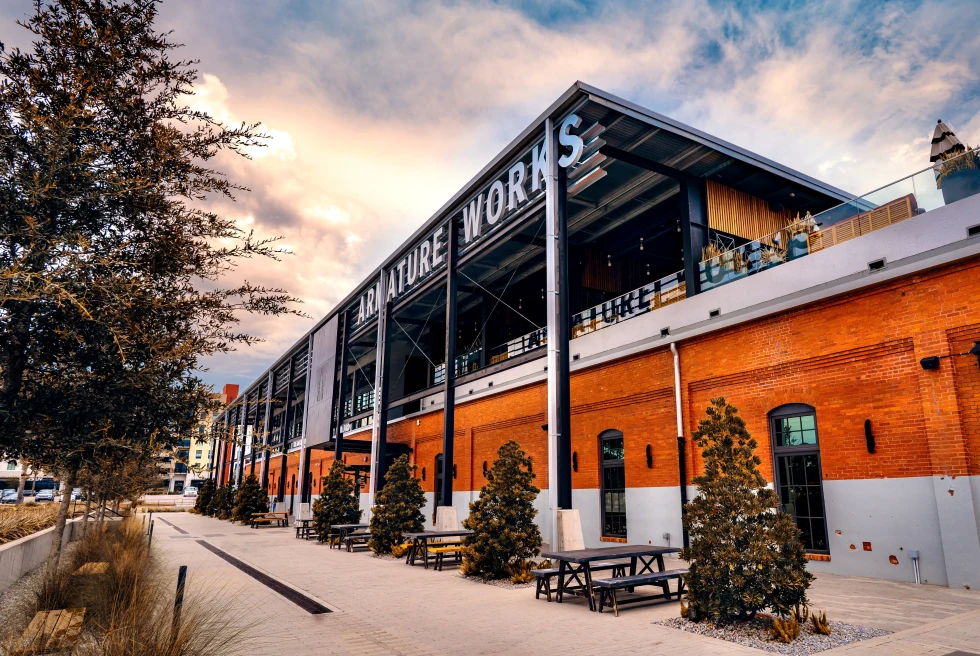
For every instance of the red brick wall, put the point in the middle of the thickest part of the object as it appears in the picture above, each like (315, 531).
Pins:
(854, 357)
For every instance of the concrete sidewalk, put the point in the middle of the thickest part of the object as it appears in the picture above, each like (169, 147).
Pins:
(385, 607)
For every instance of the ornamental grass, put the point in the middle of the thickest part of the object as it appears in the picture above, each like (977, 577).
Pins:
(18, 521)
(129, 609)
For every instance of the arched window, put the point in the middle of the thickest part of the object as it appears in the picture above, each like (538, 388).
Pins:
(613, 484)
(796, 462)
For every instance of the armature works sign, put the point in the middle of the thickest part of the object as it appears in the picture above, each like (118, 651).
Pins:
(501, 200)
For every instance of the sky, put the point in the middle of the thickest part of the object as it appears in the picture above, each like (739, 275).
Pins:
(378, 112)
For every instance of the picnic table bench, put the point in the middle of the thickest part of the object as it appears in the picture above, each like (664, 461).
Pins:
(608, 587)
(51, 631)
(575, 568)
(543, 576)
(356, 537)
(338, 533)
(421, 548)
(269, 518)
(304, 527)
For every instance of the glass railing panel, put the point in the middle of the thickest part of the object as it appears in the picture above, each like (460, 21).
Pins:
(937, 186)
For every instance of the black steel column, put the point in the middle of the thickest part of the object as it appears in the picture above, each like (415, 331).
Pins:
(338, 451)
(381, 396)
(242, 418)
(694, 230)
(287, 420)
(564, 451)
(304, 479)
(267, 429)
(449, 384)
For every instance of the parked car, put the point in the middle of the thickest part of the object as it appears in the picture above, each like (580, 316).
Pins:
(9, 496)
(45, 495)
(77, 494)
(190, 491)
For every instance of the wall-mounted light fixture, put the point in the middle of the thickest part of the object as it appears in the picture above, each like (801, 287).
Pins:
(484, 468)
(869, 437)
(575, 461)
(423, 473)
(932, 362)
(454, 470)
(649, 457)
(530, 465)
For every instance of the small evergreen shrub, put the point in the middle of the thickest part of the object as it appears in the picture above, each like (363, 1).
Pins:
(397, 507)
(223, 502)
(250, 499)
(336, 503)
(504, 536)
(745, 554)
(204, 496)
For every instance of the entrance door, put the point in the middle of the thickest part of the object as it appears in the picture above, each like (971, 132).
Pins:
(796, 451)
(613, 482)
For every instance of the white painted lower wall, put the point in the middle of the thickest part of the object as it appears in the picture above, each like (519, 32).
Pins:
(895, 516)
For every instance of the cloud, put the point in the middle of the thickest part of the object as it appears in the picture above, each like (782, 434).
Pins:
(379, 112)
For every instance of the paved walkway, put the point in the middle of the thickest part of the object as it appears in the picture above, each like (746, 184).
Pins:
(384, 607)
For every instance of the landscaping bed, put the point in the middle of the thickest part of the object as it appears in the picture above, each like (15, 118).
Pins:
(19, 521)
(756, 633)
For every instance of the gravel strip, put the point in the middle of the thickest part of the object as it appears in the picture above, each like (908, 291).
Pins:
(506, 584)
(755, 633)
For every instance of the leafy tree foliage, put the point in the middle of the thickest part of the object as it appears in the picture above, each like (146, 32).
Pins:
(204, 496)
(502, 519)
(336, 503)
(397, 507)
(251, 498)
(110, 263)
(745, 554)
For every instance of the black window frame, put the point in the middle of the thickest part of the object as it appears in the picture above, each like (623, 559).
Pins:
(604, 436)
(788, 411)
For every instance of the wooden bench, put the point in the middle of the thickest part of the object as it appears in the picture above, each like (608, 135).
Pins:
(51, 631)
(270, 518)
(358, 537)
(330, 538)
(543, 576)
(608, 587)
(91, 569)
(440, 553)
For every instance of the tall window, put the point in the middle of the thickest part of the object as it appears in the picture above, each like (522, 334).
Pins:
(439, 475)
(796, 454)
(613, 481)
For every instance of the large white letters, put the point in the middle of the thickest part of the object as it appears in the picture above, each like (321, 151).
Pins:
(472, 219)
(495, 202)
(437, 256)
(515, 186)
(569, 140)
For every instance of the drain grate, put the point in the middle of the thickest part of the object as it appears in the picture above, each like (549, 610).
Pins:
(306, 603)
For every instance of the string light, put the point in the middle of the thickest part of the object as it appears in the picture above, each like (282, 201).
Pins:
(648, 268)
(609, 260)
(542, 293)
(520, 306)
(641, 243)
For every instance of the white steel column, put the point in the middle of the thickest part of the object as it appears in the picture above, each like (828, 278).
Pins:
(551, 268)
(376, 420)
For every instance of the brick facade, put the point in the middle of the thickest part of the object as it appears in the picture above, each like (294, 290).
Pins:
(853, 357)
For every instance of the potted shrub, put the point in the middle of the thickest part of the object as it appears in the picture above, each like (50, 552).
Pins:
(958, 175)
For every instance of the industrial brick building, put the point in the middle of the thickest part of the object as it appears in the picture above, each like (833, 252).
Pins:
(598, 283)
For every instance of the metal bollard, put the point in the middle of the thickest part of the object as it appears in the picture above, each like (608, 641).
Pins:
(151, 534)
(178, 602)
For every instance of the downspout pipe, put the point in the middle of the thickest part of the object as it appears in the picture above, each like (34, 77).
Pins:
(681, 443)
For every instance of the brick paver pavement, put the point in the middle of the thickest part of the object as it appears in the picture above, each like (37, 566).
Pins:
(385, 607)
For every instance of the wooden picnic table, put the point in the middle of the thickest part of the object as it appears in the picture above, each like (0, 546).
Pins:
(278, 518)
(421, 541)
(343, 530)
(574, 565)
(303, 528)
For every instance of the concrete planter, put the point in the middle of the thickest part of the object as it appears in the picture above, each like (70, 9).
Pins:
(961, 184)
(19, 557)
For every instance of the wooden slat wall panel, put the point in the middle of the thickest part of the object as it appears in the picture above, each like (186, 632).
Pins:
(876, 219)
(738, 213)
